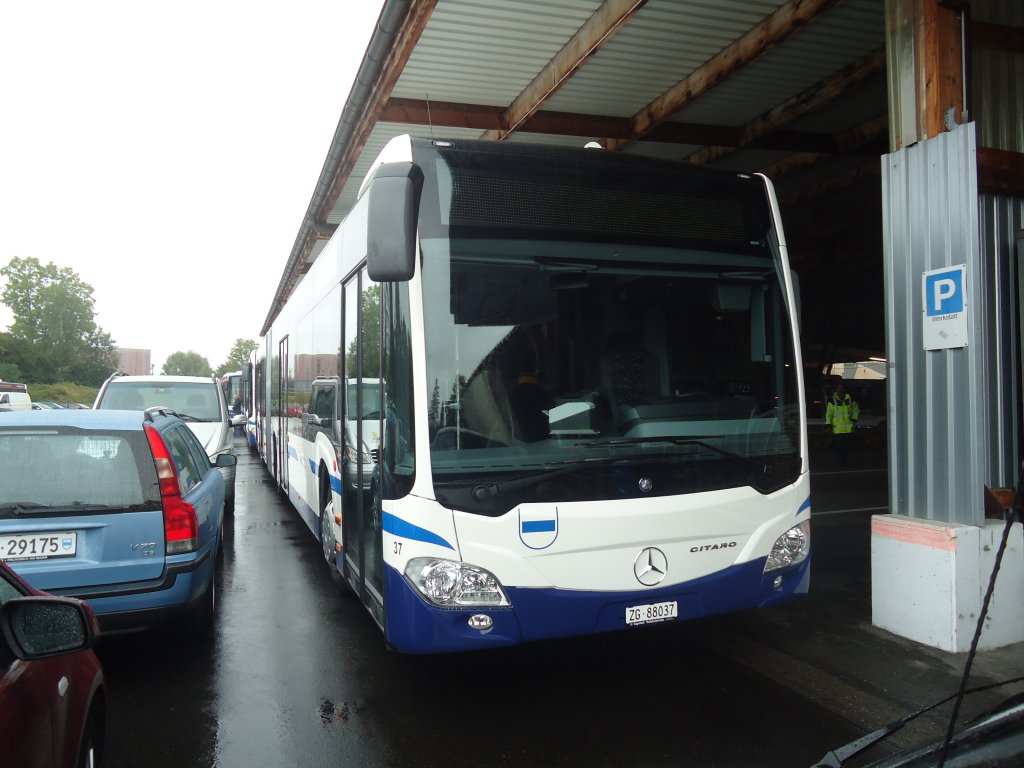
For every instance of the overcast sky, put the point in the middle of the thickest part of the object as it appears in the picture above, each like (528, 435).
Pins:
(168, 152)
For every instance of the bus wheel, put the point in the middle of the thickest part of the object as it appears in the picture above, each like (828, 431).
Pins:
(327, 532)
(327, 543)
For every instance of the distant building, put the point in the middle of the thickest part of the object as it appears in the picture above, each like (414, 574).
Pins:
(135, 362)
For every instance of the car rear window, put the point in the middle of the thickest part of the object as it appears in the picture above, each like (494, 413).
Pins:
(63, 470)
(197, 400)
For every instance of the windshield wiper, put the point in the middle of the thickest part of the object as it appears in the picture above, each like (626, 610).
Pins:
(23, 507)
(32, 508)
(838, 757)
(755, 467)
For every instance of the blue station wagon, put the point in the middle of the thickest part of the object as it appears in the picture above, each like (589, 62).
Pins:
(122, 509)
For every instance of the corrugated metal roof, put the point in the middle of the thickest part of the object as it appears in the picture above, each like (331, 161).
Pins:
(665, 41)
(853, 29)
(477, 57)
(487, 51)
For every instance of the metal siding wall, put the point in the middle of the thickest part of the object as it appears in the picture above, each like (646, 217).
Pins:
(1001, 221)
(996, 76)
(937, 426)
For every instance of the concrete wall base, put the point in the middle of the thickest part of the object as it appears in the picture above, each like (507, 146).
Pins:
(928, 582)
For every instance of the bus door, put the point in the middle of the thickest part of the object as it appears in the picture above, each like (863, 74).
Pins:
(361, 532)
(281, 455)
(261, 409)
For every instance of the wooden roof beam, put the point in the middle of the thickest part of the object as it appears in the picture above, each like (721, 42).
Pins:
(844, 180)
(796, 162)
(441, 113)
(795, 107)
(846, 142)
(588, 40)
(1000, 172)
(772, 31)
(997, 37)
(483, 117)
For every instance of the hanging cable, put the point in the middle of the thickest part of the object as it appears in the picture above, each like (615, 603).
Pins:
(1014, 515)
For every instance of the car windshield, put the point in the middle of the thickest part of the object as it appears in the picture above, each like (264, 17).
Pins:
(196, 401)
(69, 470)
(369, 406)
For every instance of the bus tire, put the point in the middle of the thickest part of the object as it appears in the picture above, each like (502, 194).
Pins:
(327, 542)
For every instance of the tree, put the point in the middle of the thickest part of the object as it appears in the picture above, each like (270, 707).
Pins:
(238, 356)
(9, 372)
(186, 364)
(369, 334)
(54, 336)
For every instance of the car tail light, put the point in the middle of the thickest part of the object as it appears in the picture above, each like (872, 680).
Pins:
(181, 529)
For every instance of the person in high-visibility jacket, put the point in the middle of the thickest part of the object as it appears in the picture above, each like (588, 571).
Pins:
(842, 413)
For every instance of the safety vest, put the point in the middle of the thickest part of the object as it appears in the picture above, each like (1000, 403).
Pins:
(841, 414)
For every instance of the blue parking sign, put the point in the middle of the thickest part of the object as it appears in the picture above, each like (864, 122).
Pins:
(944, 319)
(944, 291)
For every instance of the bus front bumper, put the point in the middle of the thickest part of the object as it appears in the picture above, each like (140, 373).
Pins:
(413, 625)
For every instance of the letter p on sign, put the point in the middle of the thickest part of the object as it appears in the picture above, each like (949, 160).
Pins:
(944, 289)
(944, 292)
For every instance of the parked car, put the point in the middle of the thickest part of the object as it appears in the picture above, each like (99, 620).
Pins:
(122, 509)
(45, 405)
(52, 695)
(14, 396)
(199, 401)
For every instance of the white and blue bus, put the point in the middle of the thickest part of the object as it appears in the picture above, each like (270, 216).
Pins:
(235, 388)
(529, 392)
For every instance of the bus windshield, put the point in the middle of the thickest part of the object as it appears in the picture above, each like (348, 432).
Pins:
(603, 356)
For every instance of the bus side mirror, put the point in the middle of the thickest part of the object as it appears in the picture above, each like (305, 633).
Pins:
(391, 226)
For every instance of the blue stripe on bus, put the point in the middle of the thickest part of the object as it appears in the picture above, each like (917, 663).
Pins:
(334, 481)
(416, 626)
(396, 526)
(292, 453)
(538, 526)
(805, 505)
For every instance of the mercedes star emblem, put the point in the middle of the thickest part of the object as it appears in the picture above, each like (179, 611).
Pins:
(650, 566)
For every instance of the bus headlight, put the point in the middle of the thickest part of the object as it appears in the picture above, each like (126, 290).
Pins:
(452, 584)
(790, 548)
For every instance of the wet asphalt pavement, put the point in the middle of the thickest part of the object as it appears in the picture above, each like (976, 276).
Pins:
(298, 675)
